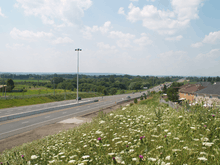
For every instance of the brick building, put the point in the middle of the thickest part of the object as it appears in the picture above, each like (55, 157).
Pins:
(188, 91)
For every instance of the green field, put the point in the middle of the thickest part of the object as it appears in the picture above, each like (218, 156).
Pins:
(148, 133)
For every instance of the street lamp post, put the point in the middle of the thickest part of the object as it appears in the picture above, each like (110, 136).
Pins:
(78, 50)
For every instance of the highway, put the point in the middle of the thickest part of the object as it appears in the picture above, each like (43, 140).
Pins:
(20, 125)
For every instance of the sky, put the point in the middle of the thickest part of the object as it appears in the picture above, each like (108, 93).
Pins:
(136, 37)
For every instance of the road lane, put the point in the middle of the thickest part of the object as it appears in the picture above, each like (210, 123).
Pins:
(17, 126)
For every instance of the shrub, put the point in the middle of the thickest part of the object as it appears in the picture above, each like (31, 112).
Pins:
(131, 104)
(141, 98)
(135, 101)
(145, 96)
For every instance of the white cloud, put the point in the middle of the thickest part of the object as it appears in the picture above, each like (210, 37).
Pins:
(17, 46)
(1, 14)
(119, 34)
(213, 54)
(151, 0)
(144, 40)
(177, 38)
(28, 35)
(61, 40)
(212, 38)
(197, 45)
(124, 39)
(87, 31)
(134, 0)
(165, 22)
(67, 11)
(121, 11)
(101, 45)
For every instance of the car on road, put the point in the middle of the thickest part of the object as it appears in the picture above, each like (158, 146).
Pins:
(132, 92)
(79, 98)
(128, 97)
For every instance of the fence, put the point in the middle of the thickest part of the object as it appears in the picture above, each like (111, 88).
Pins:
(170, 103)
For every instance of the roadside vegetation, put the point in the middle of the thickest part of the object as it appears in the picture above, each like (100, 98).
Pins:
(145, 133)
(15, 101)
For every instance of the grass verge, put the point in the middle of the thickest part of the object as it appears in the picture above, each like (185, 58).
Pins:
(146, 133)
(42, 99)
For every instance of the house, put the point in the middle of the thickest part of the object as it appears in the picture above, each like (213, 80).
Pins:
(208, 95)
(205, 84)
(188, 91)
(2, 88)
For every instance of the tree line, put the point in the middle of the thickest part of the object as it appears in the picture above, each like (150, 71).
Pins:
(108, 84)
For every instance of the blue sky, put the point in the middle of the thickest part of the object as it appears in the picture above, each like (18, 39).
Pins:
(138, 37)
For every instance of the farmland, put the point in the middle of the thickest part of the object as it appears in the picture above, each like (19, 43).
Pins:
(145, 133)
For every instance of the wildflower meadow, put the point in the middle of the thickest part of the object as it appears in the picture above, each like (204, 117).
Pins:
(144, 133)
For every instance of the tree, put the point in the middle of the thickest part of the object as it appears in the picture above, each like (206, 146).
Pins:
(112, 79)
(104, 91)
(141, 97)
(113, 91)
(34, 84)
(135, 100)
(172, 94)
(164, 89)
(10, 84)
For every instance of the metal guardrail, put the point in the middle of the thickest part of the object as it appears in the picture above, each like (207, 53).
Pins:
(30, 113)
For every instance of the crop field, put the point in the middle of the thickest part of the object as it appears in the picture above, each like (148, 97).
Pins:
(146, 133)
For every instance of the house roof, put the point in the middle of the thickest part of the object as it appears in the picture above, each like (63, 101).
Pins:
(216, 83)
(211, 89)
(191, 88)
(205, 84)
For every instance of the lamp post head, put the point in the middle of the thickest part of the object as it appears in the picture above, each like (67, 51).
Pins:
(78, 49)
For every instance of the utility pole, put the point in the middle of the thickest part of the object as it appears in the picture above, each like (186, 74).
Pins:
(53, 88)
(78, 50)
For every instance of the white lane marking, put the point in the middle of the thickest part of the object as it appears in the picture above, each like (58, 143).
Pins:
(47, 116)
(25, 122)
(64, 112)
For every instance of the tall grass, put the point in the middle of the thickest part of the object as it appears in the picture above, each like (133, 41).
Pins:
(146, 133)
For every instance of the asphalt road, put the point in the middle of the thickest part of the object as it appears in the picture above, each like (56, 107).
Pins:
(16, 126)
(20, 125)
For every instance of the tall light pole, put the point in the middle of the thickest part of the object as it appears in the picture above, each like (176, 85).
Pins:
(78, 50)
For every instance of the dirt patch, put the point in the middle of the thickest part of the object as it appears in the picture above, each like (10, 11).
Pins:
(51, 129)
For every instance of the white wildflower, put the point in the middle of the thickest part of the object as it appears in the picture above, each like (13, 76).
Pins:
(202, 158)
(34, 157)
(72, 161)
(207, 144)
(85, 157)
(124, 108)
(134, 159)
(101, 122)
(152, 159)
(167, 158)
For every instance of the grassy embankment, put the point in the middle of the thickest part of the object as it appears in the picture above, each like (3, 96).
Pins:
(147, 133)
(43, 99)
(39, 98)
